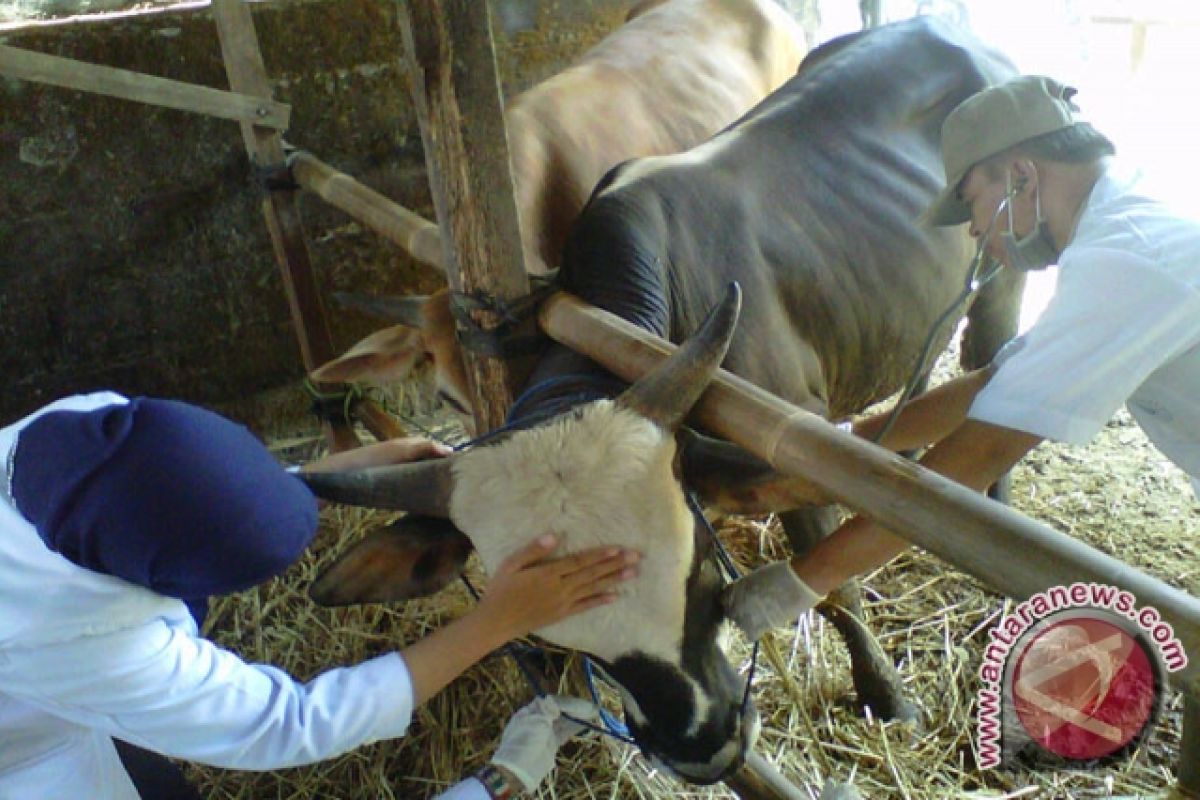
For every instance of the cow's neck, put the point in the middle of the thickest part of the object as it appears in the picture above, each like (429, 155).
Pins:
(562, 379)
(614, 265)
(617, 261)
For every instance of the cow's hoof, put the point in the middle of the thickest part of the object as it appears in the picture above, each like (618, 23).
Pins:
(895, 709)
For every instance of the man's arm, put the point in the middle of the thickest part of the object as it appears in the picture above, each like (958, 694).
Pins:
(927, 419)
(976, 454)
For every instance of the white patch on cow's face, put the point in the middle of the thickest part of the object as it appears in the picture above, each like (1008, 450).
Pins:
(648, 165)
(601, 475)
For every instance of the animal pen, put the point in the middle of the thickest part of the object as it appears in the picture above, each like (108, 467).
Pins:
(451, 60)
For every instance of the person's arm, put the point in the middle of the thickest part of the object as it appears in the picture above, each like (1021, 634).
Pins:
(162, 688)
(928, 418)
(391, 451)
(976, 454)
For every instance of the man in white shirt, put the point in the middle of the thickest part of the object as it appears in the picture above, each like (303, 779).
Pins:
(1038, 186)
(119, 518)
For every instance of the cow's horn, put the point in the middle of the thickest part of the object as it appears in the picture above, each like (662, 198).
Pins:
(393, 308)
(667, 394)
(422, 487)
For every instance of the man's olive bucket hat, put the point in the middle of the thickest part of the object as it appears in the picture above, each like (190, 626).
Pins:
(990, 122)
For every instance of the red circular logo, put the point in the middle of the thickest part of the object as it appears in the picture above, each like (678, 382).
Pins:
(1083, 688)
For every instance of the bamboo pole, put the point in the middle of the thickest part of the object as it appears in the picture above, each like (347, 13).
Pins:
(414, 234)
(456, 94)
(1014, 554)
(126, 85)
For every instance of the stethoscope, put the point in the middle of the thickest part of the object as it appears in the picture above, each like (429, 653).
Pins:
(982, 269)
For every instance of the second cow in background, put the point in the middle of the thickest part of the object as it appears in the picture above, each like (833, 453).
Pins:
(674, 74)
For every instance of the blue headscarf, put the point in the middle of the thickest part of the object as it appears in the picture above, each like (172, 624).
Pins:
(164, 495)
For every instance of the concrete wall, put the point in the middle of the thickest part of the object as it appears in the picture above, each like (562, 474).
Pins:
(133, 254)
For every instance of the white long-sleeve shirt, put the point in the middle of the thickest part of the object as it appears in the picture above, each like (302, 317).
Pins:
(85, 657)
(1123, 328)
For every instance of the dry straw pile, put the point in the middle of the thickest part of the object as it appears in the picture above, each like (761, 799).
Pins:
(1118, 494)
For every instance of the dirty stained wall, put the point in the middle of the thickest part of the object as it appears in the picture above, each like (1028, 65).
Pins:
(133, 254)
(132, 251)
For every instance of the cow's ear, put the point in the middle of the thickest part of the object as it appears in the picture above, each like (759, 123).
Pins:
(384, 356)
(413, 557)
(731, 479)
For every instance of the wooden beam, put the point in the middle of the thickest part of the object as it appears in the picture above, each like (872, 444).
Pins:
(456, 93)
(416, 235)
(126, 85)
(248, 75)
(1012, 553)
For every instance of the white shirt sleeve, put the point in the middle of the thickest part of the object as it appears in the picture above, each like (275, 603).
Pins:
(1115, 318)
(162, 688)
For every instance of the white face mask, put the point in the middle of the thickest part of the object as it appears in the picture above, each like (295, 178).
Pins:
(1035, 251)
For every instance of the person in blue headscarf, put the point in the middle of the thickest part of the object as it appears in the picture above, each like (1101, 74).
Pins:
(119, 519)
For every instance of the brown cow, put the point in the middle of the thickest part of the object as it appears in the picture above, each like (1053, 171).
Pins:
(676, 73)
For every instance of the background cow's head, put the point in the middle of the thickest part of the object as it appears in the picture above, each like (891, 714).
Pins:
(424, 335)
(603, 473)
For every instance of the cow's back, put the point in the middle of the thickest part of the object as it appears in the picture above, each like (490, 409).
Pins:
(812, 202)
(671, 77)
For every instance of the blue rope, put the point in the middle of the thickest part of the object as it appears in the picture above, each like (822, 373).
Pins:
(595, 387)
(613, 726)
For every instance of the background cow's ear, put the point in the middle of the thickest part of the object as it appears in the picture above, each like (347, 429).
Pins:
(384, 356)
(731, 479)
(413, 557)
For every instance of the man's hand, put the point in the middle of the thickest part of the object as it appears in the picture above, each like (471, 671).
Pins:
(767, 598)
(532, 737)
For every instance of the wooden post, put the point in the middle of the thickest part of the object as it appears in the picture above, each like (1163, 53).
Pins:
(871, 12)
(248, 75)
(456, 93)
(1189, 749)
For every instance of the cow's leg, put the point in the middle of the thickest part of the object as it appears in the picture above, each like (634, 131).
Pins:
(992, 321)
(875, 678)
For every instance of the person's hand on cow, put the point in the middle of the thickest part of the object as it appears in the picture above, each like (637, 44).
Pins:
(769, 597)
(530, 590)
(531, 739)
